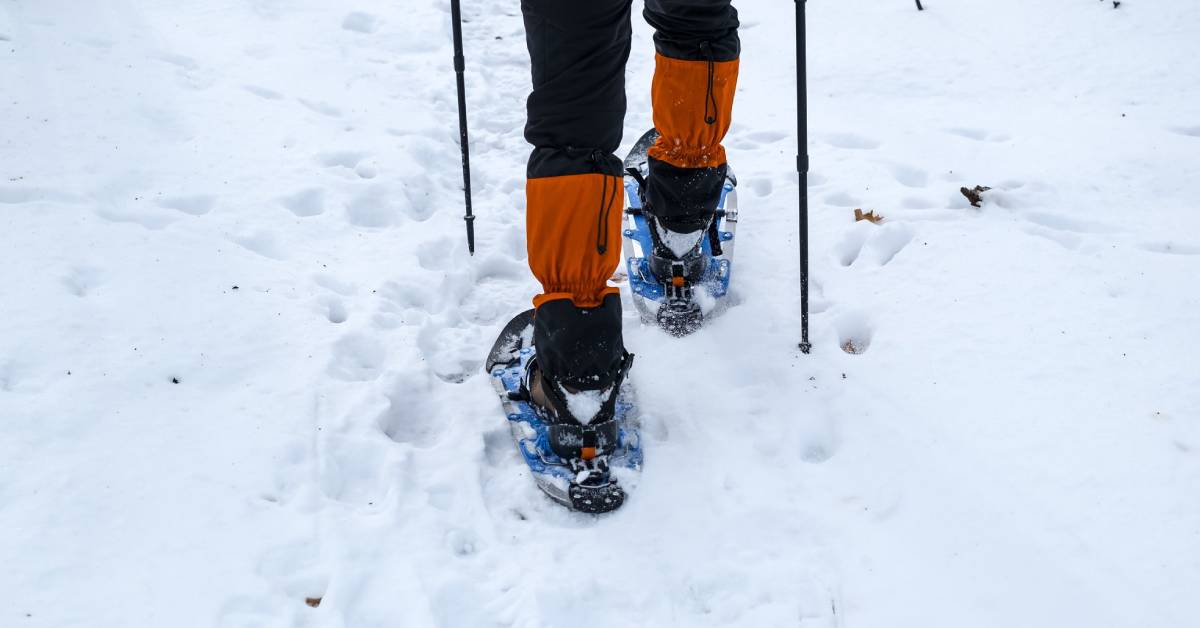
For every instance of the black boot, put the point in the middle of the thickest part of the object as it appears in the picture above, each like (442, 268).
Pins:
(679, 273)
(666, 260)
(583, 432)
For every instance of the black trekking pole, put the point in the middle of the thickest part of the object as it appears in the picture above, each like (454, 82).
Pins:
(802, 168)
(460, 64)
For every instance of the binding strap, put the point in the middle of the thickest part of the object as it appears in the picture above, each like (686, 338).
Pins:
(569, 438)
(573, 441)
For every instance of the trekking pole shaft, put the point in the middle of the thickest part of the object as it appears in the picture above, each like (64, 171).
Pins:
(459, 66)
(802, 166)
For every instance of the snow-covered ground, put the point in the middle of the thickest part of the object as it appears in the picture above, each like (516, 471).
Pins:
(242, 337)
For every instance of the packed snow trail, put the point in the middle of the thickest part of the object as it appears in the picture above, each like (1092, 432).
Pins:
(240, 377)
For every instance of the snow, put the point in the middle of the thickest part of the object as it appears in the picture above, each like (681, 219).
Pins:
(584, 405)
(679, 243)
(260, 201)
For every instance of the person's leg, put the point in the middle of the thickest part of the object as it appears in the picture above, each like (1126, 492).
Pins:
(574, 198)
(695, 74)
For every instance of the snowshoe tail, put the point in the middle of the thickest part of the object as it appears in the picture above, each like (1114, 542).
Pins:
(507, 348)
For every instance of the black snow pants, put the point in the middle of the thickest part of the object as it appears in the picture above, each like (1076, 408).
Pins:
(578, 50)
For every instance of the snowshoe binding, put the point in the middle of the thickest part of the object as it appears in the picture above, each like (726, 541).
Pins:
(678, 280)
(575, 462)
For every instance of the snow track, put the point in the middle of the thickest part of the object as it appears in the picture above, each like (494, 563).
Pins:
(241, 363)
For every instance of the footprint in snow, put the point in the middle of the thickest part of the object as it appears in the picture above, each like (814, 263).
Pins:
(320, 107)
(333, 309)
(436, 154)
(262, 242)
(331, 305)
(848, 249)
(979, 135)
(357, 358)
(817, 441)
(451, 351)
(842, 199)
(498, 447)
(81, 280)
(761, 186)
(340, 158)
(292, 470)
(435, 254)
(486, 290)
(177, 60)
(1171, 248)
(305, 203)
(404, 302)
(910, 177)
(294, 569)
(872, 243)
(410, 417)
(354, 471)
(333, 284)
(422, 202)
(262, 92)
(11, 375)
(360, 22)
(195, 205)
(350, 160)
(376, 207)
(891, 238)
(463, 542)
(366, 171)
(854, 332)
(127, 213)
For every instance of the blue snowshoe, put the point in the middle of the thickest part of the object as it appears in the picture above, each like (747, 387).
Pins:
(576, 464)
(676, 286)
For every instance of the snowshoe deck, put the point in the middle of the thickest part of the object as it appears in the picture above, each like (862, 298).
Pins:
(554, 476)
(657, 301)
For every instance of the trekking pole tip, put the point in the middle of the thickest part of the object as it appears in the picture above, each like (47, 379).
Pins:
(470, 220)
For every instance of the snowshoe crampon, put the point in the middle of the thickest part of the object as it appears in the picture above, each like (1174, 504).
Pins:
(576, 465)
(676, 295)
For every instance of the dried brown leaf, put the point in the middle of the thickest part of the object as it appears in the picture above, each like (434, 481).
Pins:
(870, 216)
(974, 195)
